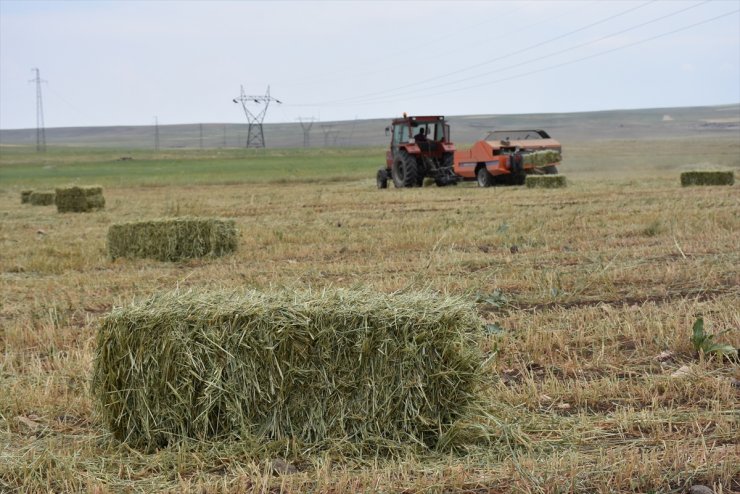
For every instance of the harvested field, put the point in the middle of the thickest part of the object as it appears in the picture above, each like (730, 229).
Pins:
(588, 295)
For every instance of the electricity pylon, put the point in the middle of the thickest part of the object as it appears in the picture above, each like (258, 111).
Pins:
(306, 126)
(40, 130)
(255, 134)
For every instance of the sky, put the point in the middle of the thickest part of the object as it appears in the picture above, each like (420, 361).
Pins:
(109, 62)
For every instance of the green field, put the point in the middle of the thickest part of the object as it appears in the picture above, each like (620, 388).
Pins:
(588, 294)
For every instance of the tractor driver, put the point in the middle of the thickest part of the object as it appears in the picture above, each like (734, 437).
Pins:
(421, 136)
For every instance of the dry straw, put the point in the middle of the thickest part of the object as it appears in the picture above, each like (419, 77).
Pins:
(707, 178)
(41, 198)
(26, 196)
(172, 239)
(311, 369)
(545, 181)
(79, 199)
(541, 158)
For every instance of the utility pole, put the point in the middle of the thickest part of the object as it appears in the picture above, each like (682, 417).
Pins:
(306, 126)
(40, 130)
(156, 133)
(201, 136)
(255, 134)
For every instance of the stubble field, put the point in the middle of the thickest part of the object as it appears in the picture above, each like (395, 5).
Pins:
(589, 295)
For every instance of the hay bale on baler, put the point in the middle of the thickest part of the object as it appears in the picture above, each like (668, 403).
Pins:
(319, 368)
(707, 177)
(79, 199)
(545, 181)
(41, 198)
(172, 239)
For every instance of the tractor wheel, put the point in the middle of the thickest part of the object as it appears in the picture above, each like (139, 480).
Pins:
(551, 170)
(382, 178)
(405, 170)
(485, 179)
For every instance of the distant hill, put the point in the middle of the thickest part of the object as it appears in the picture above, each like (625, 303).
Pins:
(655, 123)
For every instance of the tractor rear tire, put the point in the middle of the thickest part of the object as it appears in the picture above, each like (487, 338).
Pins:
(447, 169)
(382, 178)
(405, 170)
(485, 179)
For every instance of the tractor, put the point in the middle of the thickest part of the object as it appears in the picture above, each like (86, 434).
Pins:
(420, 147)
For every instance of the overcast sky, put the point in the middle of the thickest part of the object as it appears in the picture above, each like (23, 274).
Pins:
(125, 62)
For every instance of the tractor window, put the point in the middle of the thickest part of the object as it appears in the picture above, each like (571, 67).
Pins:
(401, 133)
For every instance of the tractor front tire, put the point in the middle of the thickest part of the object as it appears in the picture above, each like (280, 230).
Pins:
(405, 170)
(382, 178)
(485, 179)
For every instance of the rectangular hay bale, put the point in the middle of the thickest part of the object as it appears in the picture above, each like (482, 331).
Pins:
(172, 239)
(26, 196)
(707, 177)
(312, 367)
(541, 158)
(41, 198)
(545, 181)
(79, 199)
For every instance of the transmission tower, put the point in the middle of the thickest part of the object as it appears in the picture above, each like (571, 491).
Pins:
(306, 126)
(330, 135)
(156, 133)
(255, 134)
(40, 130)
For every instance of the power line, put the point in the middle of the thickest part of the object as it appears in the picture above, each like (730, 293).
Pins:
(542, 57)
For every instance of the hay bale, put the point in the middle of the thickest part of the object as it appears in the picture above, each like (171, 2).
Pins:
(545, 181)
(542, 158)
(26, 196)
(79, 199)
(339, 366)
(172, 239)
(41, 198)
(707, 177)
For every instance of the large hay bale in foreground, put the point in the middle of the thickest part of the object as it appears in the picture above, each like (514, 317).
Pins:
(26, 196)
(172, 239)
(41, 198)
(322, 368)
(707, 177)
(545, 181)
(79, 199)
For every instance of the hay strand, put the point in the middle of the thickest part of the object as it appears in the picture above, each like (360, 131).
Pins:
(172, 239)
(339, 366)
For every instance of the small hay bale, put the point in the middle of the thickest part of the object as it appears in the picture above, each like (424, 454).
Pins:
(335, 367)
(542, 158)
(707, 177)
(26, 196)
(172, 239)
(545, 181)
(41, 198)
(79, 199)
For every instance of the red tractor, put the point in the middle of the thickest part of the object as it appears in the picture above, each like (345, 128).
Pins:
(420, 147)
